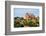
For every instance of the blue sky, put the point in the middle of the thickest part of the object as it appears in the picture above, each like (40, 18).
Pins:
(21, 11)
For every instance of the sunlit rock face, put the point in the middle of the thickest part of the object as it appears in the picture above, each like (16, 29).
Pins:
(29, 16)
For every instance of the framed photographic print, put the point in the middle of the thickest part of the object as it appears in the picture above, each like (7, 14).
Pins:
(24, 17)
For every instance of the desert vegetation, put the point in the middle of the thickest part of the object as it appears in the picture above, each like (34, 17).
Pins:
(29, 20)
